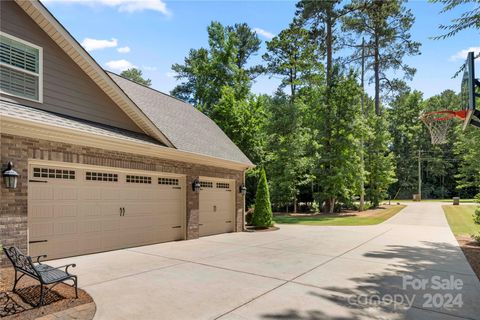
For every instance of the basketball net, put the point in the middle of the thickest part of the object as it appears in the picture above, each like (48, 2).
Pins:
(438, 123)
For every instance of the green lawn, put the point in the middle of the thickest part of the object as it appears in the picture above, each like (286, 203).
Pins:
(331, 220)
(460, 219)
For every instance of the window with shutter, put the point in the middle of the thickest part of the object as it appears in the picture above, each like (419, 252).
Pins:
(20, 68)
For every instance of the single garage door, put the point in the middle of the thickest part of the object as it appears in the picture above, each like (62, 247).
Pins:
(217, 206)
(80, 210)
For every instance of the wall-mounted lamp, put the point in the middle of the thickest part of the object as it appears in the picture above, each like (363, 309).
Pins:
(10, 176)
(242, 189)
(196, 185)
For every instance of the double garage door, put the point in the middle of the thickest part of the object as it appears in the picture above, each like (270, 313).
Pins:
(73, 211)
(86, 209)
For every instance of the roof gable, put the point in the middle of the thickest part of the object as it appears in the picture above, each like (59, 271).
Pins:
(185, 126)
(46, 21)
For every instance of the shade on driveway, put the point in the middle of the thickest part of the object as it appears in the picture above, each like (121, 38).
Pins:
(297, 272)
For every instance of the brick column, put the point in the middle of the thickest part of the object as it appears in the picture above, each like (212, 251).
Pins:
(193, 205)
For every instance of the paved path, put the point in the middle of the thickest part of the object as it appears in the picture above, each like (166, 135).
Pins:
(297, 272)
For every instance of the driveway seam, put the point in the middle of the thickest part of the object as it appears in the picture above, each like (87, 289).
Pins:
(251, 300)
(132, 274)
(340, 255)
(218, 267)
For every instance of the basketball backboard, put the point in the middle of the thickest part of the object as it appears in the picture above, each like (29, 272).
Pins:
(470, 93)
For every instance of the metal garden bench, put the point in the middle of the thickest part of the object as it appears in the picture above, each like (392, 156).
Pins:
(43, 273)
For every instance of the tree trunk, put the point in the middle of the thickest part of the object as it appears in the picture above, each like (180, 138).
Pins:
(329, 44)
(295, 204)
(376, 70)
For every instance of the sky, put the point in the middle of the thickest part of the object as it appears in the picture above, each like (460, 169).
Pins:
(154, 34)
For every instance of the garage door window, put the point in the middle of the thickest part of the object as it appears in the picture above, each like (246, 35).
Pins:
(53, 173)
(168, 181)
(101, 176)
(139, 179)
(223, 185)
(206, 184)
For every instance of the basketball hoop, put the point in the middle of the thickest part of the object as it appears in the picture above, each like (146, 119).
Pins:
(438, 123)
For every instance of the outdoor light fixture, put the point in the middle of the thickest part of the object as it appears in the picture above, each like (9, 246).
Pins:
(243, 189)
(196, 185)
(10, 176)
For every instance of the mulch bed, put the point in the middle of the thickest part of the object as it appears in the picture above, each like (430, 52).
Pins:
(344, 213)
(471, 250)
(257, 229)
(20, 305)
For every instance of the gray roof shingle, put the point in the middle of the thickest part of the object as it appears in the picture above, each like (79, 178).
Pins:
(28, 113)
(187, 128)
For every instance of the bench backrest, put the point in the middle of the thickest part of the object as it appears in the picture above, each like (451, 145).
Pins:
(20, 261)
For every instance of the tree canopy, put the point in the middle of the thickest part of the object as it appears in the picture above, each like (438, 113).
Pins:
(324, 142)
(136, 75)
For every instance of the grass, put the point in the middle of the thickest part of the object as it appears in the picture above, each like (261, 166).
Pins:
(334, 220)
(460, 219)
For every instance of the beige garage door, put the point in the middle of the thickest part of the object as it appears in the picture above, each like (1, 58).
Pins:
(74, 211)
(217, 206)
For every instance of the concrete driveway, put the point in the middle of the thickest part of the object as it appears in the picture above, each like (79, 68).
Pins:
(297, 272)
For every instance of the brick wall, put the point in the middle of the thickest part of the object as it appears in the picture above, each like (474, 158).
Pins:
(13, 209)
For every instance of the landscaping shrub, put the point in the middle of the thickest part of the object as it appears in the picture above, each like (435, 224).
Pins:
(476, 215)
(262, 216)
(476, 237)
(249, 217)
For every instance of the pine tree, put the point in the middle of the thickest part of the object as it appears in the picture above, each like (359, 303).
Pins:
(386, 25)
(262, 216)
(136, 76)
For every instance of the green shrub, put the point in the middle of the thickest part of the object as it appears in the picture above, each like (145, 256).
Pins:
(476, 215)
(262, 216)
(476, 237)
(477, 198)
(249, 217)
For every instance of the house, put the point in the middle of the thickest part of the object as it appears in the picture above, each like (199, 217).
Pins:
(103, 163)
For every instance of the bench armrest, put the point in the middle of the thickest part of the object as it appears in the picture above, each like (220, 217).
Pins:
(39, 257)
(73, 265)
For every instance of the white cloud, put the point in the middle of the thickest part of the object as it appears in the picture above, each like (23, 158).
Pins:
(264, 33)
(125, 49)
(96, 44)
(462, 54)
(171, 74)
(122, 5)
(120, 65)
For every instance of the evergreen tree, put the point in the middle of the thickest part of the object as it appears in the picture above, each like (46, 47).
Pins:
(262, 215)
(386, 24)
(322, 17)
(136, 76)
(291, 54)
